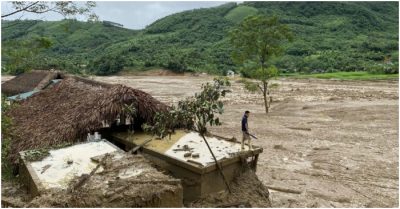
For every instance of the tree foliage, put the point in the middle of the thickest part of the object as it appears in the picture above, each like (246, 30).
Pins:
(193, 113)
(106, 65)
(23, 54)
(65, 8)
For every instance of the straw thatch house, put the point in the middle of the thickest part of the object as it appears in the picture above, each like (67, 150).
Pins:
(29, 81)
(70, 109)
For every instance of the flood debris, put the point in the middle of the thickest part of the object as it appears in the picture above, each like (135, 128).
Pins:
(61, 165)
(126, 181)
(286, 190)
(105, 177)
(190, 142)
(186, 156)
(279, 146)
(300, 128)
(321, 148)
(234, 205)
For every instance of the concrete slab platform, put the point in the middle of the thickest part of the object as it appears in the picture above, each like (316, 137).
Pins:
(199, 174)
(62, 165)
(126, 181)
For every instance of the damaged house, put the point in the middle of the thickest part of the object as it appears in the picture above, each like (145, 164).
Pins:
(64, 109)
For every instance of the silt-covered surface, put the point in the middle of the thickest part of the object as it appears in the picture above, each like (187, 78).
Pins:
(126, 181)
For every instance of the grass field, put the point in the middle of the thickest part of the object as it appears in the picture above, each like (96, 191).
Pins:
(344, 76)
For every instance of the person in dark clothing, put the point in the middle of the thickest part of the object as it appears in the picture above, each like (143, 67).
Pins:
(245, 129)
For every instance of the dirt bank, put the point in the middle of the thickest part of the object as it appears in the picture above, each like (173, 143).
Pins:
(247, 191)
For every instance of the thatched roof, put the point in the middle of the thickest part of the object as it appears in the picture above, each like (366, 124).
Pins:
(73, 107)
(29, 81)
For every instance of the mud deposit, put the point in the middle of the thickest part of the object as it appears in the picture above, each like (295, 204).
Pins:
(127, 181)
(327, 143)
(247, 191)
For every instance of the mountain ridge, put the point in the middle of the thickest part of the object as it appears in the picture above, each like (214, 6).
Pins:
(328, 36)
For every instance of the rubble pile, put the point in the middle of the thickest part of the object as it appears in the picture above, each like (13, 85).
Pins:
(126, 181)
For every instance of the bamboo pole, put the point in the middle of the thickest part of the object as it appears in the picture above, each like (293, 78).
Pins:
(217, 164)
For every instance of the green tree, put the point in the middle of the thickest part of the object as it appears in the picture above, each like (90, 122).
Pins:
(194, 113)
(256, 40)
(106, 65)
(23, 55)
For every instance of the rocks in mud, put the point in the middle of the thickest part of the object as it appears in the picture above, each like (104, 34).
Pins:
(321, 148)
(300, 128)
(333, 98)
(279, 146)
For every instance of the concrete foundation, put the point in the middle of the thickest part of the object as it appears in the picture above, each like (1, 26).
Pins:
(57, 169)
(131, 176)
(127, 181)
(198, 180)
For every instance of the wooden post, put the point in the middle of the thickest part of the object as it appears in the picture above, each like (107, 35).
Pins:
(217, 164)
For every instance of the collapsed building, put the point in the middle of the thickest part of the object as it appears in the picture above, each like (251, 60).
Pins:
(63, 109)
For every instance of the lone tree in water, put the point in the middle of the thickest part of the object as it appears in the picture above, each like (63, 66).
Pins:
(256, 40)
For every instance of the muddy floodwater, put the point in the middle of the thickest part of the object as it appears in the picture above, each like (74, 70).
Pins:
(326, 143)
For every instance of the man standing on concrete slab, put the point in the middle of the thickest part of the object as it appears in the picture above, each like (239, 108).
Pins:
(245, 129)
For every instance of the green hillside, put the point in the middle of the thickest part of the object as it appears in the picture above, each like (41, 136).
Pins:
(239, 13)
(328, 36)
(74, 43)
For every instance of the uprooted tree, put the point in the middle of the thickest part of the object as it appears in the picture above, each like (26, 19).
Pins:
(256, 41)
(194, 113)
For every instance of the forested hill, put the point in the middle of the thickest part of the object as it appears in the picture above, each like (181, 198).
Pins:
(328, 36)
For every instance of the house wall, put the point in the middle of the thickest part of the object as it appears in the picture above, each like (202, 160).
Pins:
(28, 177)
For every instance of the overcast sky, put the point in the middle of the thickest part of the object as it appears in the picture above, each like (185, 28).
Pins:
(134, 15)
